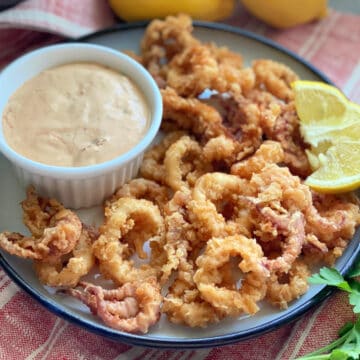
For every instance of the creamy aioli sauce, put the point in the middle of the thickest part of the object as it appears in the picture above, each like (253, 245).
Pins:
(75, 115)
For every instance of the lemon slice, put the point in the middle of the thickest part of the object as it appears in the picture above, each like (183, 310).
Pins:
(330, 123)
(339, 169)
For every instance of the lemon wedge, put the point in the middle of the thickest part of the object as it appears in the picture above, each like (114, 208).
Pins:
(330, 123)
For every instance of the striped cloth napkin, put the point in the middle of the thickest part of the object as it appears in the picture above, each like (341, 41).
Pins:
(28, 331)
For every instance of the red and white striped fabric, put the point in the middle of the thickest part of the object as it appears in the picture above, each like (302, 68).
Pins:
(28, 331)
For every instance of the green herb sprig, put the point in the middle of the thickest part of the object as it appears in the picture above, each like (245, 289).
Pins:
(347, 346)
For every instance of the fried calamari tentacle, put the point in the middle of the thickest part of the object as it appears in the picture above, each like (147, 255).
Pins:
(152, 167)
(293, 228)
(286, 130)
(162, 40)
(221, 152)
(241, 121)
(276, 185)
(206, 66)
(180, 235)
(37, 211)
(192, 71)
(284, 288)
(132, 308)
(142, 189)
(218, 252)
(129, 223)
(56, 240)
(275, 77)
(182, 162)
(202, 120)
(268, 152)
(331, 222)
(333, 216)
(68, 270)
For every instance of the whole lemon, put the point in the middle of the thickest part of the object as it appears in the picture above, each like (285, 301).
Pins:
(285, 13)
(210, 10)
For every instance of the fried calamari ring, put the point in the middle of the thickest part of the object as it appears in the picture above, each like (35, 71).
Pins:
(68, 270)
(268, 152)
(56, 240)
(213, 209)
(132, 308)
(218, 252)
(129, 223)
(284, 288)
(152, 167)
(142, 189)
(275, 77)
(185, 151)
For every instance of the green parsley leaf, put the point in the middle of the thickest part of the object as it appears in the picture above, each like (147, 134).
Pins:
(339, 354)
(330, 276)
(347, 346)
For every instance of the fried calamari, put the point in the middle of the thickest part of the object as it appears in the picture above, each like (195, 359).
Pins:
(133, 307)
(219, 221)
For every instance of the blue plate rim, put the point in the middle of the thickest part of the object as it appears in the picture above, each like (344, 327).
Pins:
(188, 343)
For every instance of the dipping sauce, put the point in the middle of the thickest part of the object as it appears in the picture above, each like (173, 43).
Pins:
(76, 114)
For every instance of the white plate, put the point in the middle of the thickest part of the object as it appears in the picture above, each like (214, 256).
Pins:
(165, 334)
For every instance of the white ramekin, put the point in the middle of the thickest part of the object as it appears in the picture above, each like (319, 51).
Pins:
(85, 186)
